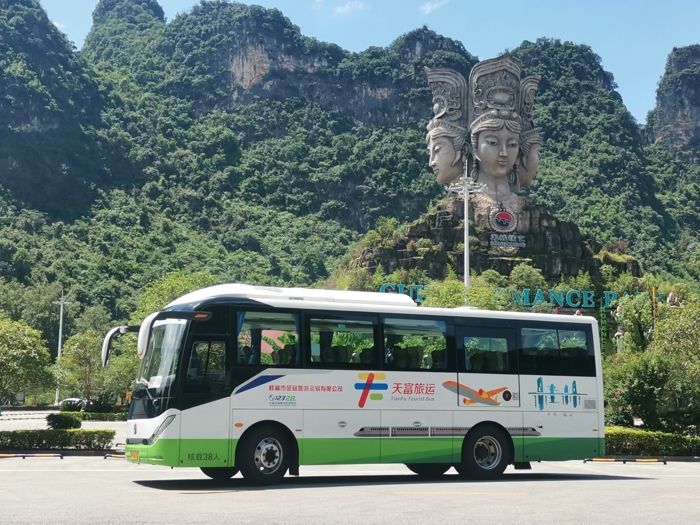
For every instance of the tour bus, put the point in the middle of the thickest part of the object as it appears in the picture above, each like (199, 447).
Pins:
(260, 380)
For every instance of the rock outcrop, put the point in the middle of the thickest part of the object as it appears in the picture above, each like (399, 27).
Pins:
(675, 121)
(436, 240)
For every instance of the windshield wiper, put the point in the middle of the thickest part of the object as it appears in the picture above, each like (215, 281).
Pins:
(142, 381)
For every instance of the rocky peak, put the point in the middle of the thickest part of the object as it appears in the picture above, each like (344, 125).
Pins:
(421, 41)
(683, 58)
(117, 28)
(675, 121)
(127, 9)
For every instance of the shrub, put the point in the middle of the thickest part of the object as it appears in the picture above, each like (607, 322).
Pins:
(637, 383)
(56, 439)
(632, 442)
(91, 439)
(64, 421)
(97, 416)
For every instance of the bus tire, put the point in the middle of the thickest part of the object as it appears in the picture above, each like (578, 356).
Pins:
(263, 456)
(219, 473)
(485, 453)
(428, 470)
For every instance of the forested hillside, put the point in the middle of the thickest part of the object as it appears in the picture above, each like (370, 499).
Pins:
(226, 141)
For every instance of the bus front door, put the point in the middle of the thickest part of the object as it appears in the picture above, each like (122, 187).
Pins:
(205, 402)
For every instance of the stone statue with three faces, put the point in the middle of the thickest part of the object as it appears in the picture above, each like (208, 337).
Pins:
(483, 130)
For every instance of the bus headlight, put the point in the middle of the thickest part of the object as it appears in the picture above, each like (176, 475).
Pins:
(165, 424)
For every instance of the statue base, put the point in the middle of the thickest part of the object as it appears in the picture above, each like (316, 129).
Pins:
(523, 233)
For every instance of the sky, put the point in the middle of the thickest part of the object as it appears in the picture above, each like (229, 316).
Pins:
(633, 37)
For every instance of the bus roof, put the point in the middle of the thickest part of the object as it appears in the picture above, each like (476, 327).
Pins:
(267, 293)
(375, 302)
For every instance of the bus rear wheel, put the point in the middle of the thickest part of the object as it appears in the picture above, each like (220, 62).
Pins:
(485, 453)
(428, 470)
(220, 473)
(263, 456)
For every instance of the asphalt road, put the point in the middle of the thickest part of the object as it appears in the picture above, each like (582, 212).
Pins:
(94, 490)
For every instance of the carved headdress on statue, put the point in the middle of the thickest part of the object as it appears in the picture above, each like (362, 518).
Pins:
(494, 99)
(500, 99)
(449, 123)
(530, 136)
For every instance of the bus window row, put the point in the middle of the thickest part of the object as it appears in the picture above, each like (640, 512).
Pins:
(402, 344)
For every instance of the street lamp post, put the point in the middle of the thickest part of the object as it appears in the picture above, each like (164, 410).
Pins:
(62, 303)
(468, 186)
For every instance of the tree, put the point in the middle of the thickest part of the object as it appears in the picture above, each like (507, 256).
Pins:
(24, 360)
(94, 317)
(634, 316)
(677, 340)
(637, 383)
(450, 293)
(159, 293)
(120, 373)
(80, 365)
(525, 277)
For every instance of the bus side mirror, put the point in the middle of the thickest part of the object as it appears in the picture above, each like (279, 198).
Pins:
(112, 334)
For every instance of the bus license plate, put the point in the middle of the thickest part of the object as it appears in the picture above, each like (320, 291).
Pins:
(134, 455)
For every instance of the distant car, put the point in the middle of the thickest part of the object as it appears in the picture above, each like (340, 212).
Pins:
(74, 402)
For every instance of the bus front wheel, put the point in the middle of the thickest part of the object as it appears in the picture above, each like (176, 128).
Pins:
(428, 470)
(219, 474)
(263, 456)
(485, 454)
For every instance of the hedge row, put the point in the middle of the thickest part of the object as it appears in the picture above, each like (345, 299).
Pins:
(63, 421)
(621, 441)
(108, 416)
(56, 439)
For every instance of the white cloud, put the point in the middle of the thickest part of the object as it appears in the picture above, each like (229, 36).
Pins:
(429, 7)
(60, 26)
(350, 7)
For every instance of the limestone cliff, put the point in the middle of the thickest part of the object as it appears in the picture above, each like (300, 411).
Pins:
(249, 51)
(262, 64)
(675, 121)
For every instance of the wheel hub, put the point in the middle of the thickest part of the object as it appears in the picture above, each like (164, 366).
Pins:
(487, 452)
(268, 455)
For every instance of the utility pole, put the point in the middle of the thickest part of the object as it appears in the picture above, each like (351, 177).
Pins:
(468, 187)
(62, 303)
(655, 305)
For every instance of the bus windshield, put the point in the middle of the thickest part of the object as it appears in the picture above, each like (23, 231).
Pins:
(157, 368)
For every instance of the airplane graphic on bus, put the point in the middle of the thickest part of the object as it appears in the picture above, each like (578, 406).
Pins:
(471, 396)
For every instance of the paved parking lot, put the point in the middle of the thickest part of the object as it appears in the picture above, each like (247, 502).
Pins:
(95, 490)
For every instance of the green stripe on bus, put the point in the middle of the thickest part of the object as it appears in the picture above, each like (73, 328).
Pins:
(560, 449)
(339, 451)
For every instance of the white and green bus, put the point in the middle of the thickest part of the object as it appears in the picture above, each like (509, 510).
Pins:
(258, 380)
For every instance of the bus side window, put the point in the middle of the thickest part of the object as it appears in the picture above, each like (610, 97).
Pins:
(486, 354)
(415, 344)
(548, 351)
(267, 339)
(343, 341)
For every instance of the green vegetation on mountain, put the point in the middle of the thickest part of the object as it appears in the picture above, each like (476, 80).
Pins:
(51, 155)
(225, 141)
